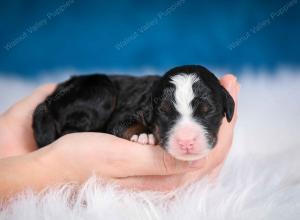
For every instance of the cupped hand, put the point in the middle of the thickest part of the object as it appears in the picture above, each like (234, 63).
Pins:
(208, 166)
(75, 157)
(132, 165)
(16, 134)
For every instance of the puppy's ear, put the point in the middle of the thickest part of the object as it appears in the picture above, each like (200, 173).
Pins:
(228, 104)
(44, 128)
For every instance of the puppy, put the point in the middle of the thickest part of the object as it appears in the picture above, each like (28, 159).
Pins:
(181, 111)
(189, 104)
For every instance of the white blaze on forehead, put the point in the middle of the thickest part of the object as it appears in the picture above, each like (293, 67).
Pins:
(186, 127)
(184, 93)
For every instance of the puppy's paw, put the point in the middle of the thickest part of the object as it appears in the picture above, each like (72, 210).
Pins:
(143, 139)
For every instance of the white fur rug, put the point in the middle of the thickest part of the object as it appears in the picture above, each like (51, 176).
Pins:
(260, 179)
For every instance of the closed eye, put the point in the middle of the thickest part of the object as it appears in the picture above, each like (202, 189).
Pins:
(165, 107)
(200, 106)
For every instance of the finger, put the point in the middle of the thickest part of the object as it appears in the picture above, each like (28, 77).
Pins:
(156, 161)
(153, 183)
(22, 113)
(225, 135)
(229, 82)
(164, 183)
(118, 157)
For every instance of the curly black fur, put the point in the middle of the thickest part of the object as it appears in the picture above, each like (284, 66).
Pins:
(127, 105)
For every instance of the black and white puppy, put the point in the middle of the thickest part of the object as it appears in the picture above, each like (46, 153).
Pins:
(182, 110)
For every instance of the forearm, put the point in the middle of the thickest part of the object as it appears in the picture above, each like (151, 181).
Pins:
(34, 171)
(5, 149)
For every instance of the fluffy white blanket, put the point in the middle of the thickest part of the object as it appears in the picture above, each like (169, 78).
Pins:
(260, 179)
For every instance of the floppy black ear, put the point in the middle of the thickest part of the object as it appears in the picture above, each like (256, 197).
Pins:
(44, 128)
(228, 104)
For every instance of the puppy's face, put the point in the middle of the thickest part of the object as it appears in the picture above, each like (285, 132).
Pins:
(189, 104)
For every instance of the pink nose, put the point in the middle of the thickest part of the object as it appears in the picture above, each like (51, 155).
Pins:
(186, 144)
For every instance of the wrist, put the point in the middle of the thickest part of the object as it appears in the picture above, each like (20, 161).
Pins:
(73, 161)
(50, 160)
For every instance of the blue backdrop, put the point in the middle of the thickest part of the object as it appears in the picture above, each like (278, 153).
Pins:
(86, 35)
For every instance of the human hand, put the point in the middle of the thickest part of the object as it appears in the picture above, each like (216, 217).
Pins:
(217, 156)
(132, 165)
(16, 134)
(78, 156)
(207, 166)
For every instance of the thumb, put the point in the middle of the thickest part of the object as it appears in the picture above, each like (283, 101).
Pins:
(38, 95)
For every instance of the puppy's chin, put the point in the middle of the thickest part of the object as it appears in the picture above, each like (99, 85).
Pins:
(189, 157)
